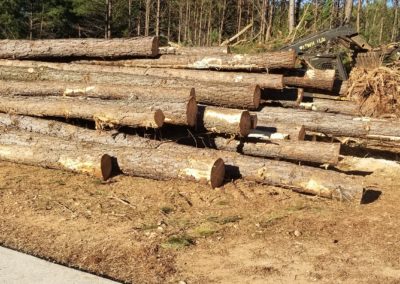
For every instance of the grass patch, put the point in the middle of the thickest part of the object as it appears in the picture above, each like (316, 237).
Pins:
(224, 220)
(272, 219)
(204, 230)
(178, 242)
(166, 210)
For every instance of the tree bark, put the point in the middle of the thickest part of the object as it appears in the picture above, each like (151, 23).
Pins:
(49, 152)
(314, 79)
(261, 62)
(348, 8)
(306, 151)
(102, 112)
(195, 50)
(267, 130)
(292, 22)
(332, 106)
(63, 48)
(147, 18)
(178, 105)
(234, 95)
(331, 124)
(223, 120)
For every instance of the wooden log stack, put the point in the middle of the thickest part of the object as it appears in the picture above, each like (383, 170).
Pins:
(206, 92)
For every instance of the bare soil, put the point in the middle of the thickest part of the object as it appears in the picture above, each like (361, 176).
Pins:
(142, 231)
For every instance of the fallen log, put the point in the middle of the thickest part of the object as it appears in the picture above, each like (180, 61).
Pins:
(306, 151)
(312, 78)
(295, 132)
(62, 48)
(208, 92)
(264, 80)
(332, 106)
(299, 178)
(224, 120)
(194, 50)
(102, 112)
(262, 62)
(178, 105)
(331, 124)
(91, 158)
(54, 153)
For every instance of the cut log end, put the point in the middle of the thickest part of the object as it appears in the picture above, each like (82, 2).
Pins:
(106, 166)
(159, 118)
(245, 124)
(257, 97)
(191, 112)
(217, 173)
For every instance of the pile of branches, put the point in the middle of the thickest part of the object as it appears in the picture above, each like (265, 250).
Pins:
(377, 91)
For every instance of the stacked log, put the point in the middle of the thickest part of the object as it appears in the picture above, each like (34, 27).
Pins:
(184, 50)
(227, 62)
(236, 95)
(64, 48)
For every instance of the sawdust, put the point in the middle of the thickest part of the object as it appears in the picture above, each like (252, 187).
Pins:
(377, 90)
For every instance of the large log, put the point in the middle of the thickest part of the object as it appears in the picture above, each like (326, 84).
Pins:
(178, 105)
(225, 120)
(236, 95)
(299, 178)
(313, 78)
(194, 50)
(62, 48)
(264, 80)
(333, 106)
(92, 158)
(54, 153)
(331, 124)
(102, 112)
(228, 62)
(315, 152)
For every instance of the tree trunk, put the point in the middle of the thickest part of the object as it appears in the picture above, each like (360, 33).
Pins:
(147, 18)
(359, 6)
(260, 62)
(224, 120)
(291, 21)
(395, 28)
(215, 93)
(221, 23)
(313, 79)
(62, 48)
(267, 130)
(306, 151)
(331, 124)
(299, 178)
(53, 153)
(347, 11)
(102, 112)
(178, 105)
(158, 19)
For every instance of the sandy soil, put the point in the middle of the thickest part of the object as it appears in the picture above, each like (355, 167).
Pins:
(144, 231)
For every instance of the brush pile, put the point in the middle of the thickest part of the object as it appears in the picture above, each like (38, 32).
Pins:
(376, 91)
(105, 107)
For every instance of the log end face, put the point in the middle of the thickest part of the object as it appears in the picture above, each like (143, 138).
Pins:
(245, 124)
(106, 165)
(159, 118)
(191, 112)
(217, 173)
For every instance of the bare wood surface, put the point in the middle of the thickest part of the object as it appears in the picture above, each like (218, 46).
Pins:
(102, 112)
(315, 152)
(61, 48)
(332, 124)
(259, 62)
(178, 105)
(313, 78)
(225, 120)
(295, 132)
(236, 95)
(192, 50)
(323, 105)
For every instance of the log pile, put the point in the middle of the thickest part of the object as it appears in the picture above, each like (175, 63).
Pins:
(195, 114)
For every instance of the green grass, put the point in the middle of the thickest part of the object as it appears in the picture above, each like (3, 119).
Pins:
(178, 242)
(224, 220)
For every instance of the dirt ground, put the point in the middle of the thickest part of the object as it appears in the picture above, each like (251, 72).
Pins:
(143, 231)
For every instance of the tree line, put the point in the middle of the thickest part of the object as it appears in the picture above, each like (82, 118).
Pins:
(197, 22)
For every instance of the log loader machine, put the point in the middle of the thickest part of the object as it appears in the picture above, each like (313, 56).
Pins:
(320, 51)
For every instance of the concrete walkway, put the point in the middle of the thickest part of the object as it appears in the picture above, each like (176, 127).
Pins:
(19, 268)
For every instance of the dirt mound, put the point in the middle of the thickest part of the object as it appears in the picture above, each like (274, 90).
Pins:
(377, 91)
